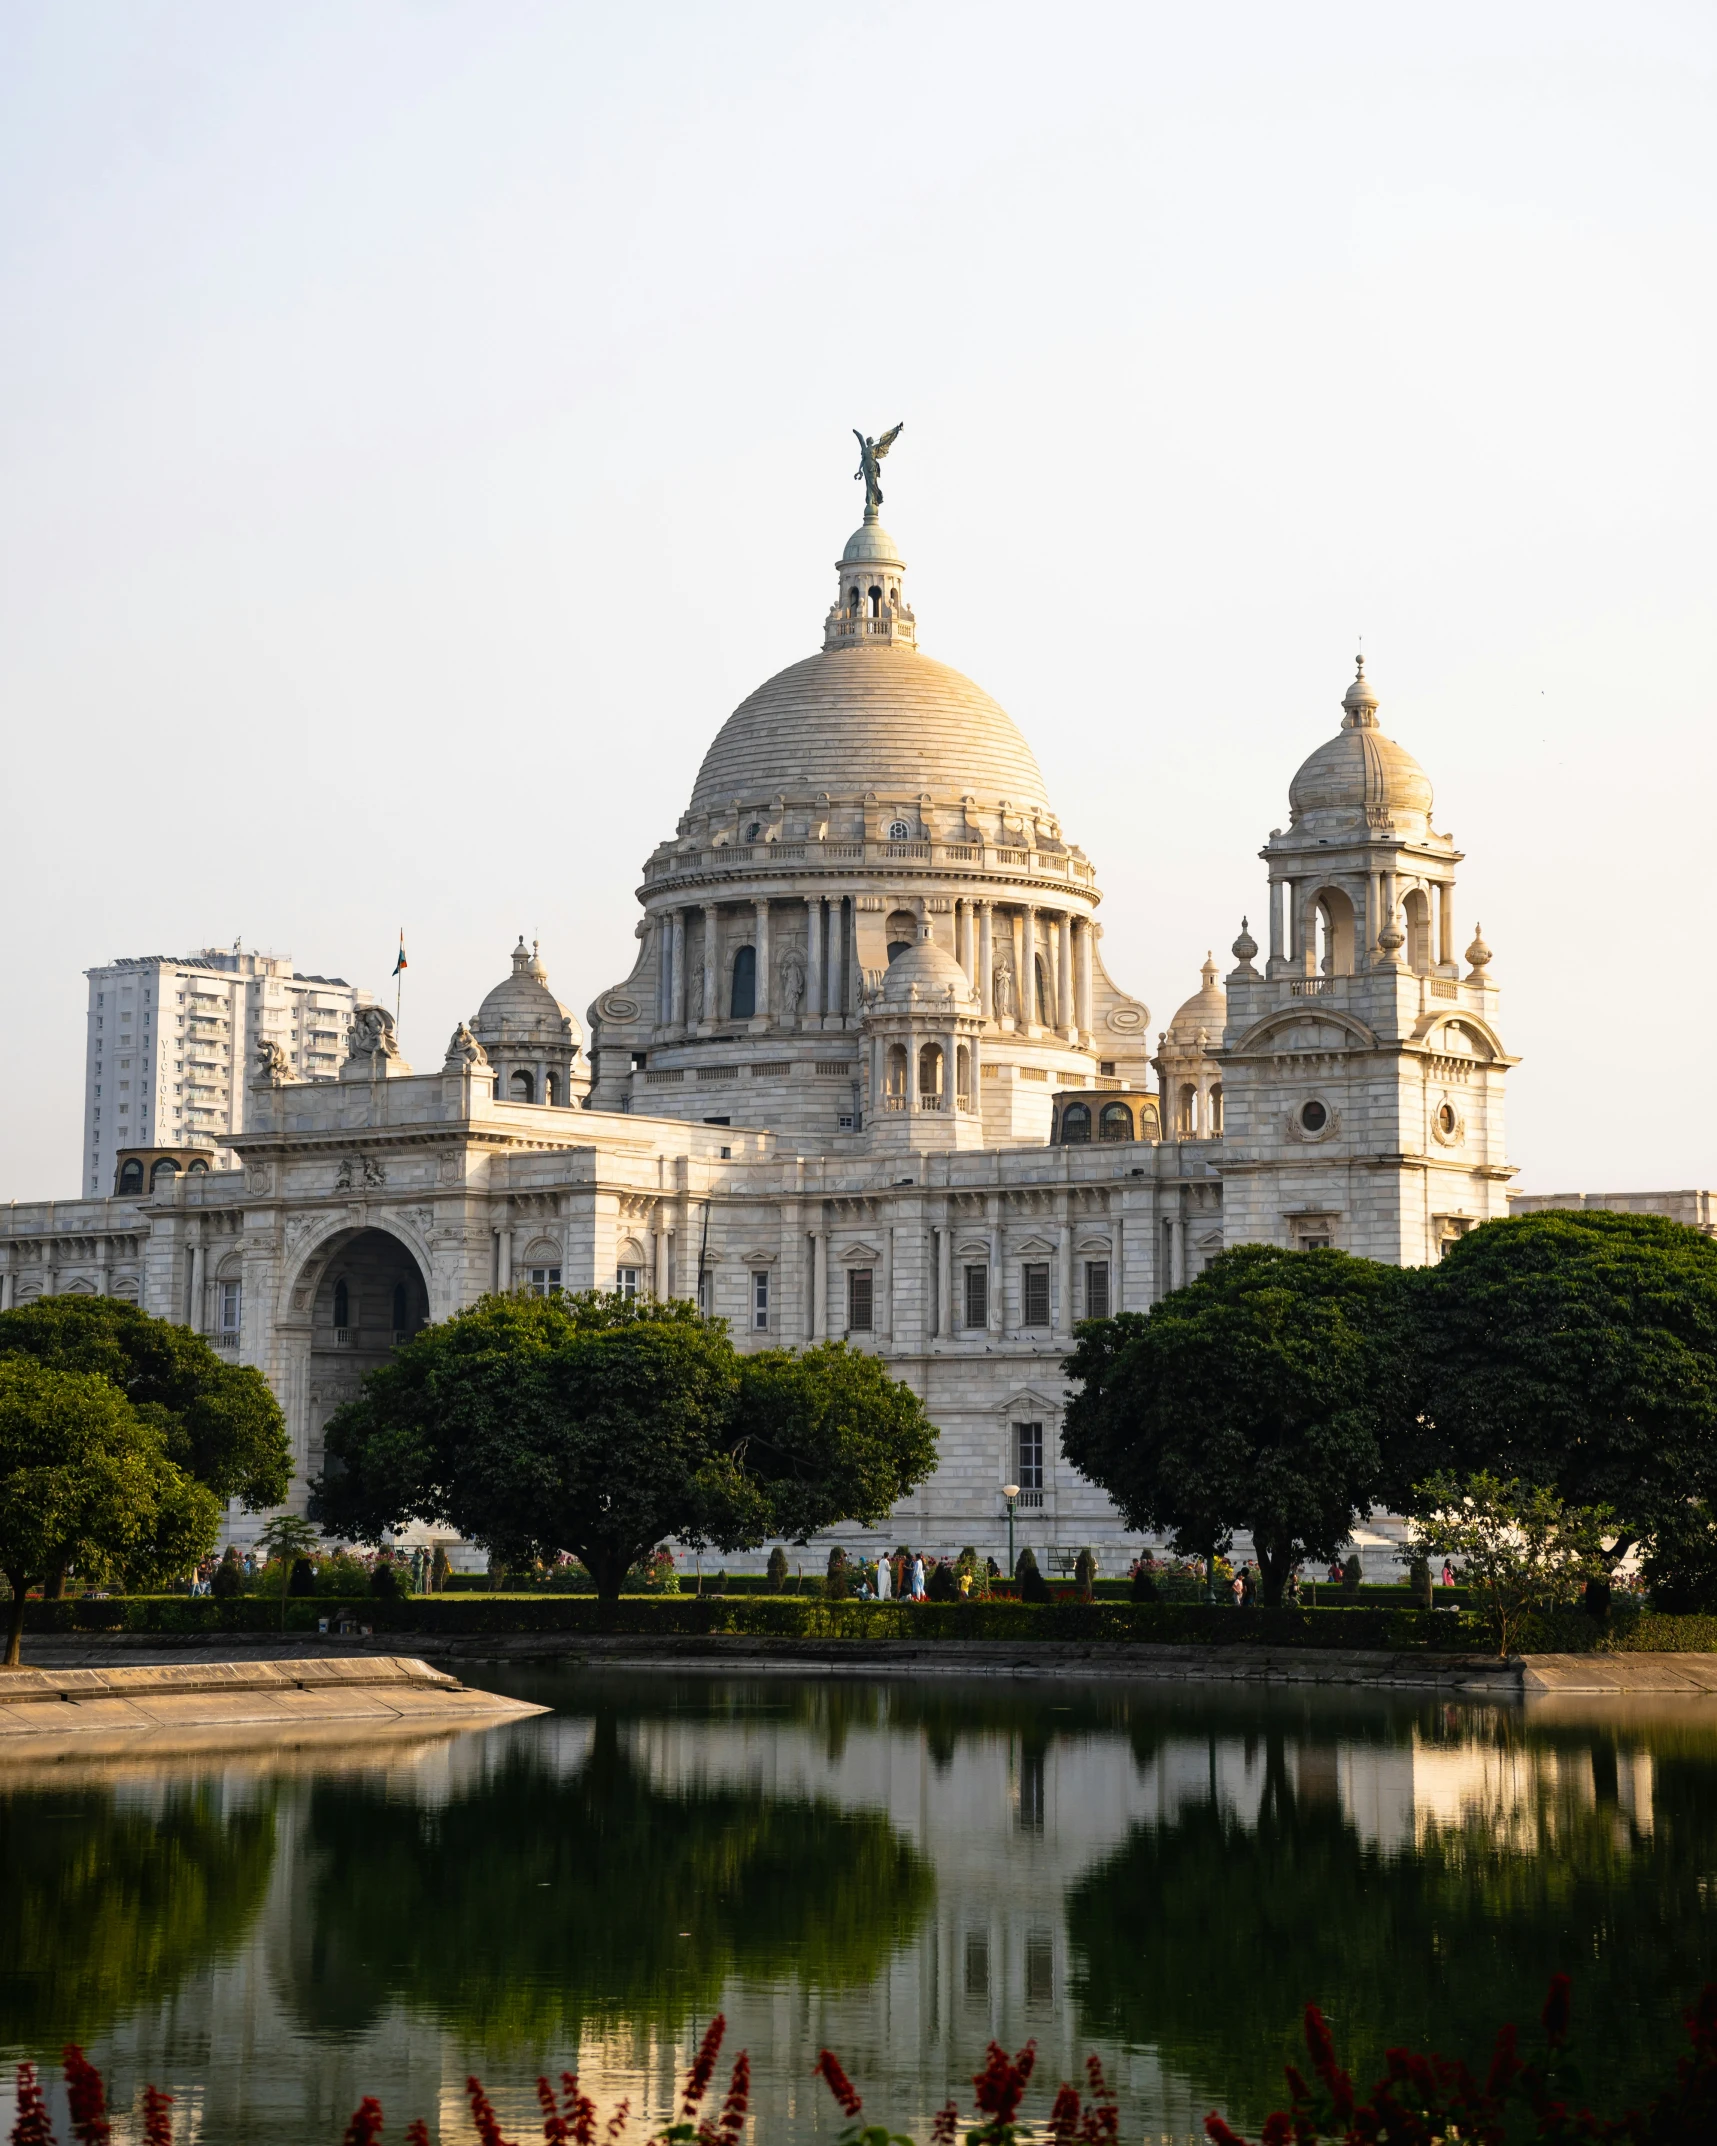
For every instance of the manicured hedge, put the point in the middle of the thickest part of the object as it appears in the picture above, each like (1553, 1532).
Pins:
(790, 1617)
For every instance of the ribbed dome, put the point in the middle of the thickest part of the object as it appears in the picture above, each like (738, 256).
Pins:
(523, 1009)
(1207, 1009)
(871, 544)
(933, 971)
(1361, 774)
(880, 718)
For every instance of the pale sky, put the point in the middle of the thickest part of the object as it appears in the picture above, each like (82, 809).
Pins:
(420, 424)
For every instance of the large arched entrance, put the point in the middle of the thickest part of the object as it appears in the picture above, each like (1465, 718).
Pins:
(369, 1295)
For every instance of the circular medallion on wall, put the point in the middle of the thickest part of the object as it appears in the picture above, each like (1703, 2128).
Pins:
(1312, 1120)
(1127, 1020)
(616, 1007)
(1448, 1127)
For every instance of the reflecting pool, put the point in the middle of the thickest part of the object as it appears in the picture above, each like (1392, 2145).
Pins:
(899, 1870)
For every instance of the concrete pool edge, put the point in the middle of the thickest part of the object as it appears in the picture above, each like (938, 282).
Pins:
(1541, 1675)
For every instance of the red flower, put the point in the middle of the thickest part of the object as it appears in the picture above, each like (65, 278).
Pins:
(580, 2108)
(1278, 2130)
(366, 2124)
(945, 2124)
(828, 2069)
(617, 2122)
(703, 2064)
(32, 2127)
(87, 2096)
(483, 2115)
(1063, 2125)
(1504, 2064)
(157, 2124)
(1337, 2084)
(1002, 2082)
(738, 2099)
(1555, 2015)
(1217, 2130)
(555, 2126)
(417, 2132)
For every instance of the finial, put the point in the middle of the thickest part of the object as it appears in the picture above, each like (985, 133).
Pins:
(1245, 950)
(1359, 702)
(1479, 955)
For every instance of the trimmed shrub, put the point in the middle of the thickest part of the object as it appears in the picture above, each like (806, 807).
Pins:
(942, 1585)
(777, 1573)
(837, 1582)
(1033, 1587)
(229, 1576)
(389, 1582)
(302, 1579)
(1419, 1582)
(1144, 1583)
(1351, 1575)
(1084, 1574)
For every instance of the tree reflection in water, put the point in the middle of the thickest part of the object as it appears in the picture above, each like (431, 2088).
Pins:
(538, 1904)
(1206, 1934)
(112, 1899)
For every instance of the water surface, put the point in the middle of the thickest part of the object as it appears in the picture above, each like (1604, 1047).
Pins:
(897, 1869)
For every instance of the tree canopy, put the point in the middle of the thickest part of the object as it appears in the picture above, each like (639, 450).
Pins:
(1573, 1349)
(602, 1425)
(85, 1479)
(217, 1421)
(1257, 1397)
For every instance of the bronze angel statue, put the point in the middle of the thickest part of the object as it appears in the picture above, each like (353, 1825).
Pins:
(871, 453)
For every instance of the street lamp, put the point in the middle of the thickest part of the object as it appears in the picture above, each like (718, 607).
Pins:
(1010, 1491)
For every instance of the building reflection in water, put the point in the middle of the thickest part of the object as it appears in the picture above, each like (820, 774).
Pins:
(898, 1871)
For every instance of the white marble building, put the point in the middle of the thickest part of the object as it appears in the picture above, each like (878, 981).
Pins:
(869, 1077)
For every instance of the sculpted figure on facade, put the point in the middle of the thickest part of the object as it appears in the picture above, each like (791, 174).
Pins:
(791, 980)
(871, 453)
(273, 1067)
(463, 1050)
(1002, 991)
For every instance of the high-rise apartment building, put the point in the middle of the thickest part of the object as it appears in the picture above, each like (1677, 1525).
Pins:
(172, 1040)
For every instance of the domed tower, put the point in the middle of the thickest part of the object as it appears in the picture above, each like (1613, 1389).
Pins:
(922, 1027)
(531, 1039)
(1189, 1078)
(1362, 1072)
(858, 796)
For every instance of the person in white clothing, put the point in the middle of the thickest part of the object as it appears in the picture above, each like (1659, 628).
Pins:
(884, 1580)
(917, 1578)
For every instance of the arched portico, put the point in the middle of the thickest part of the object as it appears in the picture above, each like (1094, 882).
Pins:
(357, 1296)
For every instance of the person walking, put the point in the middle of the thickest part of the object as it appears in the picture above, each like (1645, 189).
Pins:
(917, 1577)
(1448, 1574)
(884, 1579)
(1238, 1590)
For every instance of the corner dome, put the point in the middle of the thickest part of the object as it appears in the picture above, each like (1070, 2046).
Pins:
(1360, 774)
(877, 718)
(522, 1008)
(1207, 1009)
(930, 971)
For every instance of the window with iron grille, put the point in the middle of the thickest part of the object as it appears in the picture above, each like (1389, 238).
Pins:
(1096, 1289)
(1028, 1455)
(977, 1296)
(760, 1300)
(858, 1300)
(1034, 1294)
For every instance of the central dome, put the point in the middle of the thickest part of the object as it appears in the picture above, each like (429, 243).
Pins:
(879, 717)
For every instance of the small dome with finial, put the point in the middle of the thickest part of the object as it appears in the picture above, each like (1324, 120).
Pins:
(1359, 700)
(1205, 1013)
(1361, 777)
(522, 1009)
(1478, 955)
(1245, 949)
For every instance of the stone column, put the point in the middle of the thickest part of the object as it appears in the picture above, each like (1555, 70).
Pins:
(1446, 923)
(760, 1001)
(1276, 954)
(1065, 1018)
(1031, 1012)
(711, 984)
(837, 980)
(1387, 915)
(1063, 1326)
(986, 959)
(6, 1284)
(1082, 968)
(945, 1277)
(199, 1266)
(993, 1324)
(815, 910)
(677, 1002)
(503, 1257)
(883, 1298)
(819, 1285)
(660, 1283)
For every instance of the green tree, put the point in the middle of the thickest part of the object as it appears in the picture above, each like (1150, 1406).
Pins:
(284, 1540)
(1521, 1548)
(604, 1425)
(85, 1479)
(1573, 1349)
(218, 1421)
(1258, 1397)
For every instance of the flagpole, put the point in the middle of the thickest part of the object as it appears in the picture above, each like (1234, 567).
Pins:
(399, 980)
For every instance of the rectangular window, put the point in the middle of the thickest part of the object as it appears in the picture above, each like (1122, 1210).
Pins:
(231, 1300)
(1028, 1456)
(628, 1281)
(1034, 1294)
(760, 1300)
(545, 1281)
(858, 1300)
(1096, 1289)
(977, 1297)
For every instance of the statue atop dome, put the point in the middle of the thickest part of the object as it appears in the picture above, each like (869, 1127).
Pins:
(871, 453)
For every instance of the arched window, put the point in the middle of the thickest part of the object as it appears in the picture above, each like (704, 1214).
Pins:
(902, 924)
(524, 1088)
(896, 1092)
(963, 1076)
(1417, 909)
(1116, 1123)
(400, 1312)
(1332, 926)
(1186, 1122)
(131, 1176)
(342, 1306)
(743, 1004)
(1040, 1012)
(197, 1169)
(853, 600)
(930, 1076)
(163, 1172)
(549, 1094)
(1216, 1109)
(1076, 1125)
(876, 603)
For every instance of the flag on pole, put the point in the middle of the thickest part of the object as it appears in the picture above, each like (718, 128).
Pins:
(401, 962)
